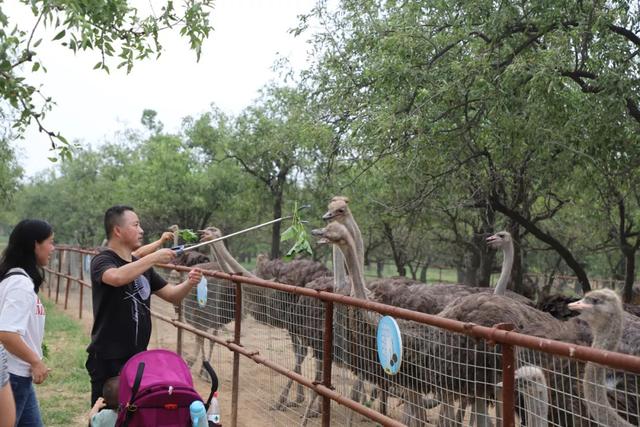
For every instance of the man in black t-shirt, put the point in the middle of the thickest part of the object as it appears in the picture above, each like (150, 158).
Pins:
(121, 288)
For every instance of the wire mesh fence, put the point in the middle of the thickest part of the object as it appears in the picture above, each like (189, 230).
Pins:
(303, 357)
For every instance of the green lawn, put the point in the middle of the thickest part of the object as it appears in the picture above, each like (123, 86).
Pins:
(64, 396)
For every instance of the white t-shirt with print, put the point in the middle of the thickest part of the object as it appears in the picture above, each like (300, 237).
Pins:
(22, 312)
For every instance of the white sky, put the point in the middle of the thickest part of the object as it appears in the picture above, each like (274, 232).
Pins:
(237, 60)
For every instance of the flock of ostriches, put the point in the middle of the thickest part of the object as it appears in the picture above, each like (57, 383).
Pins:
(441, 373)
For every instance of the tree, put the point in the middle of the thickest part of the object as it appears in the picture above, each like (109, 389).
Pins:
(114, 29)
(272, 141)
(10, 172)
(497, 94)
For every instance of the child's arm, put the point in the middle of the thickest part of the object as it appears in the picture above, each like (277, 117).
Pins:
(96, 408)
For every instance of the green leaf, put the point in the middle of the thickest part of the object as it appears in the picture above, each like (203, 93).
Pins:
(188, 235)
(36, 66)
(287, 234)
(59, 35)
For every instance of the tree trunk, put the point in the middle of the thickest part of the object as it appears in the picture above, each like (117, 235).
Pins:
(275, 231)
(423, 272)
(629, 274)
(566, 255)
(515, 281)
(471, 269)
(414, 271)
(380, 268)
(398, 252)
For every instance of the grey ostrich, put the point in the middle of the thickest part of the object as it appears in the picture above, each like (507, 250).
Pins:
(602, 310)
(568, 403)
(568, 407)
(532, 384)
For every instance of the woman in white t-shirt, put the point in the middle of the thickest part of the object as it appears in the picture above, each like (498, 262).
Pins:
(22, 314)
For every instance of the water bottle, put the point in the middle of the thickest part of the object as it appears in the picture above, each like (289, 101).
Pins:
(198, 414)
(213, 414)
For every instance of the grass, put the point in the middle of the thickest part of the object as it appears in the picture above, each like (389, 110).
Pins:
(64, 396)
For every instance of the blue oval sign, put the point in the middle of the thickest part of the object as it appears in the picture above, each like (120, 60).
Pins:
(389, 342)
(202, 292)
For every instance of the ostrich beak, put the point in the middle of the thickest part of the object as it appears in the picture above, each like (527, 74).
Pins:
(327, 216)
(578, 305)
(319, 233)
(492, 239)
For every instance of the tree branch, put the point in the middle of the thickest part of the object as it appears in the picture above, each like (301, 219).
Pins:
(628, 34)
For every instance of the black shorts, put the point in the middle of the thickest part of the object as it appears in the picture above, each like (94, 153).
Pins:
(99, 371)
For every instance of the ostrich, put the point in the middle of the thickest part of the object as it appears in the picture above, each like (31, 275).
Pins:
(219, 308)
(531, 382)
(484, 309)
(413, 379)
(276, 308)
(601, 313)
(566, 398)
(602, 310)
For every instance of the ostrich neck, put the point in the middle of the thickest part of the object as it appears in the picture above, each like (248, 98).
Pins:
(356, 275)
(228, 262)
(507, 264)
(538, 407)
(606, 336)
(354, 230)
(339, 272)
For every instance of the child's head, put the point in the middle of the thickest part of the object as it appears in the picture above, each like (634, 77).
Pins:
(110, 392)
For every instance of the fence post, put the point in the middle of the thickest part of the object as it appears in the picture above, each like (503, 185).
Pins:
(81, 284)
(179, 332)
(66, 291)
(236, 356)
(63, 259)
(327, 361)
(508, 380)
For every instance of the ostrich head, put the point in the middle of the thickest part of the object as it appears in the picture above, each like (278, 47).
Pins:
(499, 240)
(338, 209)
(209, 233)
(597, 307)
(334, 233)
(529, 379)
(173, 228)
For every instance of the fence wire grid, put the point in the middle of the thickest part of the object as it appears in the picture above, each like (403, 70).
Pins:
(446, 378)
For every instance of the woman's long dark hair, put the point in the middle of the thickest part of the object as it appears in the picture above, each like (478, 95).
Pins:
(21, 250)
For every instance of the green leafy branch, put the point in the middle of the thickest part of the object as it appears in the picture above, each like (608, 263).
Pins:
(188, 235)
(298, 234)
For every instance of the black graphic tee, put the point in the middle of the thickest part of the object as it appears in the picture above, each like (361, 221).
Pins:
(122, 322)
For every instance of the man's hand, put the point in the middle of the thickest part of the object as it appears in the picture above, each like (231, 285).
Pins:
(166, 236)
(39, 372)
(163, 256)
(194, 276)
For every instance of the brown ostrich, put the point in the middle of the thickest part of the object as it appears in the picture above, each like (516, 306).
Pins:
(486, 309)
(414, 379)
(219, 308)
(276, 308)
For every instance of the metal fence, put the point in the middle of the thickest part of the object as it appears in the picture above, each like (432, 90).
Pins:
(288, 355)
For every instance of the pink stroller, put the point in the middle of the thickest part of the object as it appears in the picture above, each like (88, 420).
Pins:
(156, 389)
